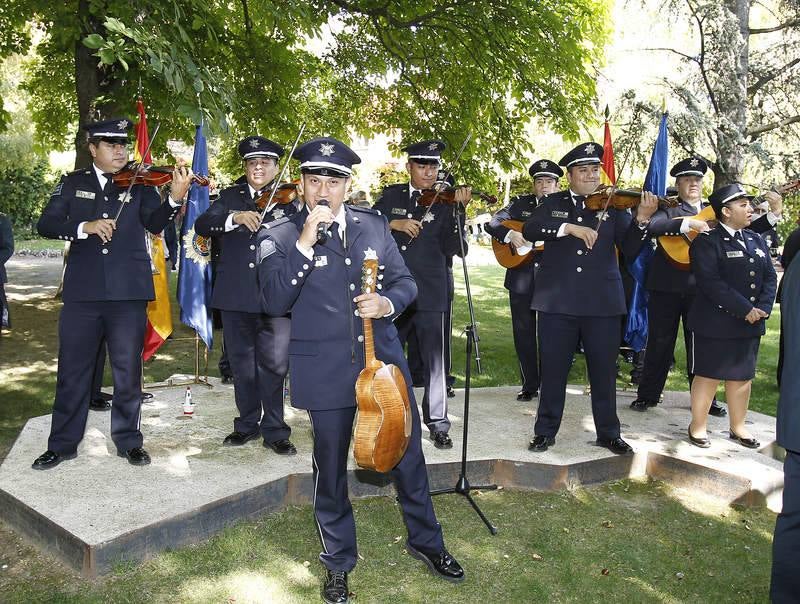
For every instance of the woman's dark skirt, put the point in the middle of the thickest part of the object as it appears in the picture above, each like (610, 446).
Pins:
(725, 358)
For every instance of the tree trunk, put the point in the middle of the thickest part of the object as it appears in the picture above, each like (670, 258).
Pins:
(732, 98)
(88, 79)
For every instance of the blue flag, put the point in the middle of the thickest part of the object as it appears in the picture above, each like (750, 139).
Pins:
(655, 182)
(194, 276)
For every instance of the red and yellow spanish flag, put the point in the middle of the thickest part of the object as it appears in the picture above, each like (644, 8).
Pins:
(159, 311)
(609, 175)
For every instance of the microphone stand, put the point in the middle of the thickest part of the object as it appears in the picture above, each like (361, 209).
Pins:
(462, 486)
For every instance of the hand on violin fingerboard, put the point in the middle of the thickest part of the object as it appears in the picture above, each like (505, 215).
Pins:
(647, 206)
(409, 226)
(181, 181)
(250, 220)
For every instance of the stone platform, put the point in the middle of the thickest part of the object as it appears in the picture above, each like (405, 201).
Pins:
(98, 510)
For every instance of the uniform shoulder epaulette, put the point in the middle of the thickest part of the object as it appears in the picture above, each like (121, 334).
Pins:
(396, 185)
(372, 211)
(276, 223)
(80, 171)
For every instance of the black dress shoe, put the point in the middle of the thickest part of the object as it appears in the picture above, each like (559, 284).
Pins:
(441, 440)
(750, 443)
(451, 393)
(616, 445)
(441, 563)
(146, 396)
(541, 443)
(236, 439)
(136, 456)
(703, 443)
(50, 459)
(717, 410)
(227, 379)
(99, 404)
(282, 447)
(642, 405)
(335, 591)
(526, 395)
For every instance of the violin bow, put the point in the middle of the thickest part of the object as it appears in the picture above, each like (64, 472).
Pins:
(280, 177)
(127, 197)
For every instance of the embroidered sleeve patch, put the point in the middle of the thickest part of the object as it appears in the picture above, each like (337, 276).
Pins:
(57, 191)
(265, 249)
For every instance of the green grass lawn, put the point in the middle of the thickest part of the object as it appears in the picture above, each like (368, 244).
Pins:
(623, 542)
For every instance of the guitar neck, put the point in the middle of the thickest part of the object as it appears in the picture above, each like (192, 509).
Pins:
(369, 343)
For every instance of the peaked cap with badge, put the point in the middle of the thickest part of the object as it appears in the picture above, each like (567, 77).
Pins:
(258, 146)
(583, 154)
(326, 156)
(113, 131)
(425, 152)
(727, 194)
(546, 168)
(691, 166)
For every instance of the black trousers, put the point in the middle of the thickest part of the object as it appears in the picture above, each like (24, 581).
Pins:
(258, 349)
(332, 510)
(664, 311)
(82, 328)
(559, 335)
(523, 325)
(785, 587)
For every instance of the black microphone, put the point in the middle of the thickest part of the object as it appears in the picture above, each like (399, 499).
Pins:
(322, 227)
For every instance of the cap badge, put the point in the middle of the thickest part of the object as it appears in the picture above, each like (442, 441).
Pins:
(326, 149)
(254, 143)
(694, 162)
(433, 147)
(122, 124)
(542, 164)
(589, 149)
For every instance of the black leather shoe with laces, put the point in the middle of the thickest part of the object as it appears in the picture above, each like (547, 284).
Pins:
(441, 440)
(642, 405)
(541, 443)
(335, 591)
(616, 445)
(282, 447)
(136, 456)
(236, 439)
(50, 459)
(717, 410)
(441, 563)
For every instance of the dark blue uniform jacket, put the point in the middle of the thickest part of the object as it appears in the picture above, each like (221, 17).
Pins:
(326, 351)
(427, 255)
(571, 279)
(730, 282)
(518, 280)
(236, 285)
(119, 270)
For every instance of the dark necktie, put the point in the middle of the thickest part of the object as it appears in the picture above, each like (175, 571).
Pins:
(738, 237)
(336, 240)
(415, 198)
(579, 202)
(109, 186)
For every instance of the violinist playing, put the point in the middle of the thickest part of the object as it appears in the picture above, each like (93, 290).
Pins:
(427, 237)
(671, 290)
(310, 264)
(579, 294)
(257, 345)
(736, 285)
(520, 280)
(107, 283)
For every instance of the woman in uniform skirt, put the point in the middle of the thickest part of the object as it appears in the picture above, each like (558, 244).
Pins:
(735, 291)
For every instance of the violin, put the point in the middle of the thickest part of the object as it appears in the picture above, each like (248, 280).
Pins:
(154, 176)
(447, 196)
(621, 199)
(286, 194)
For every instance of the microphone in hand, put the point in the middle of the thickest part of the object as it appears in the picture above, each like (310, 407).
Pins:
(322, 227)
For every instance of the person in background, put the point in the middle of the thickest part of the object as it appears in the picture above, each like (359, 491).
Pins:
(736, 285)
(6, 251)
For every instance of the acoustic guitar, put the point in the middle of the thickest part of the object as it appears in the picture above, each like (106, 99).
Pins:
(676, 247)
(505, 253)
(383, 420)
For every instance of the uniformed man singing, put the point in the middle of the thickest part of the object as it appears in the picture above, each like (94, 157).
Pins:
(427, 238)
(520, 280)
(256, 344)
(579, 294)
(671, 290)
(107, 283)
(319, 283)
